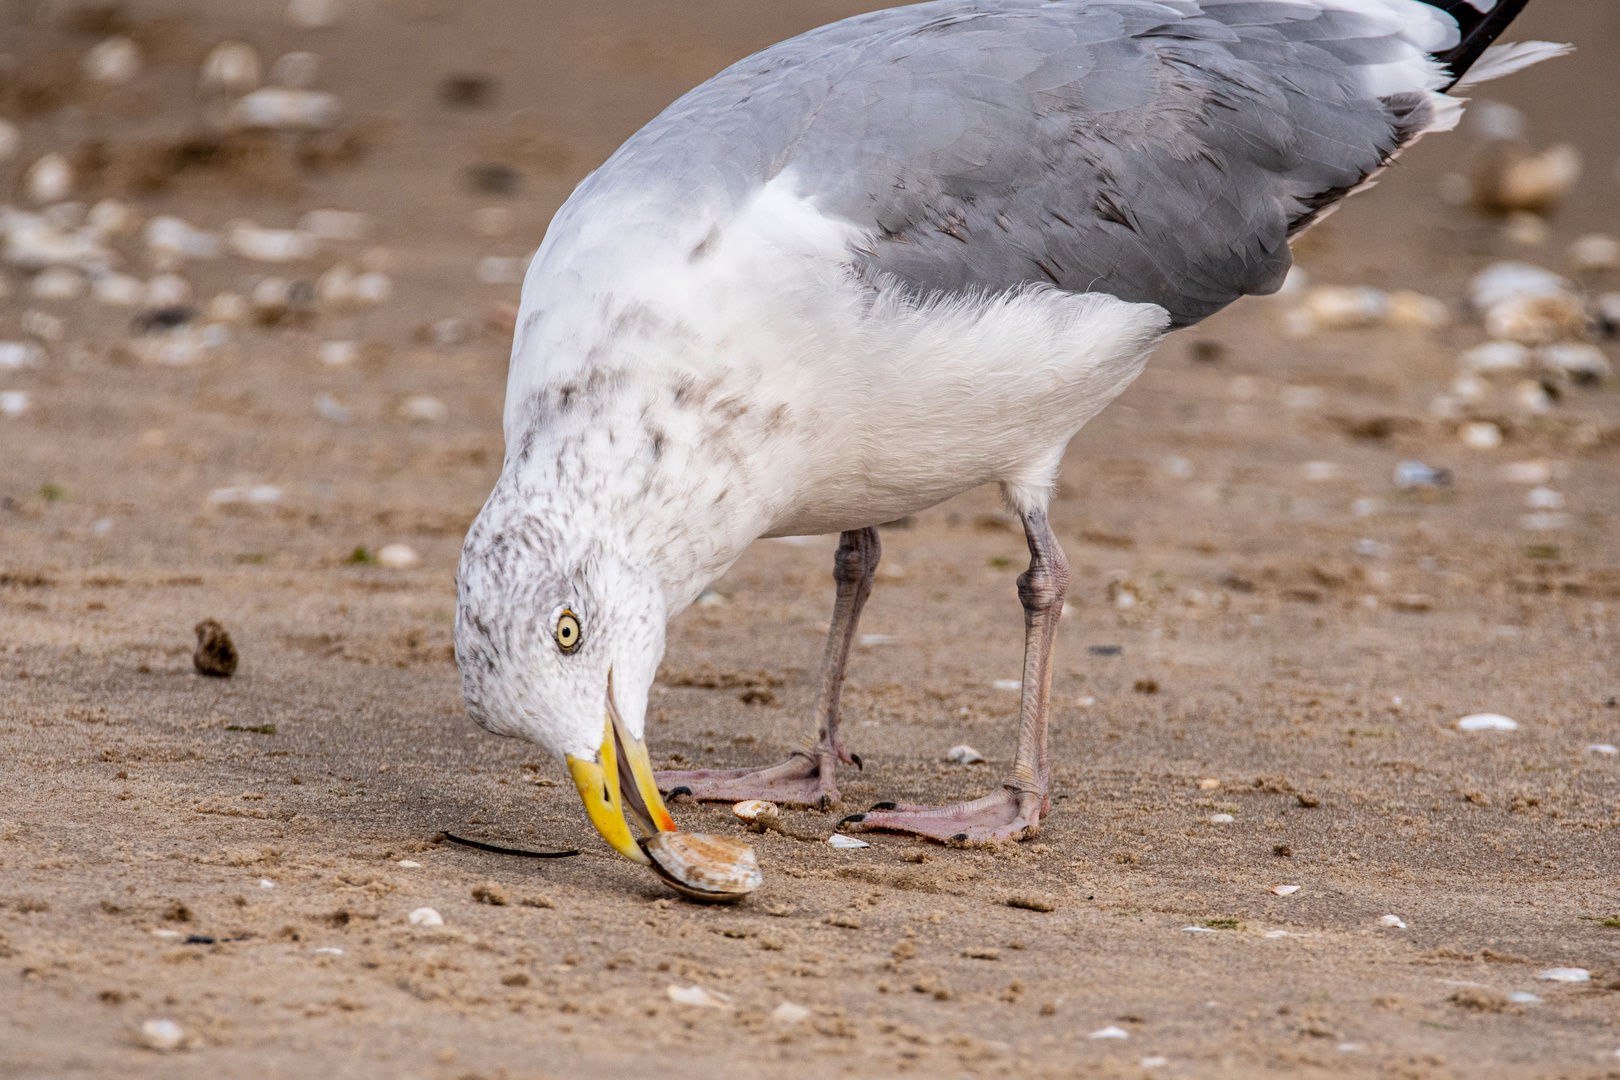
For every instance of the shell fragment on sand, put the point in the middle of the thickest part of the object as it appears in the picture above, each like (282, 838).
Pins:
(696, 995)
(789, 1013)
(752, 810)
(720, 869)
(426, 916)
(846, 843)
(1525, 997)
(1394, 921)
(1566, 975)
(1480, 435)
(1220, 819)
(1199, 930)
(1603, 748)
(1285, 890)
(397, 556)
(1109, 1032)
(1487, 722)
(280, 108)
(162, 1035)
(963, 755)
(15, 355)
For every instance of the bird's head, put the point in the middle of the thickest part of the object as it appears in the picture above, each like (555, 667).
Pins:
(558, 637)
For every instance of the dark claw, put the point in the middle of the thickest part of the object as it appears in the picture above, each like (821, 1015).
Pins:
(960, 836)
(824, 803)
(883, 806)
(852, 819)
(856, 758)
(681, 790)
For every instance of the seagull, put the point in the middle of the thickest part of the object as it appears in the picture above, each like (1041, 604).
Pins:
(866, 270)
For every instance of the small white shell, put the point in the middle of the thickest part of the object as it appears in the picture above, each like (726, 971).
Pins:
(752, 810)
(1392, 920)
(963, 755)
(705, 867)
(1480, 435)
(162, 1035)
(1110, 1032)
(696, 995)
(1567, 975)
(789, 1013)
(397, 556)
(1285, 890)
(1487, 722)
(426, 916)
(846, 843)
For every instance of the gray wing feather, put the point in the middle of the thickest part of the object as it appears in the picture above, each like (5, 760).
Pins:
(1159, 151)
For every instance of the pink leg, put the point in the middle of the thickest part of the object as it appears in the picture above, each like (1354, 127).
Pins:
(806, 778)
(1015, 812)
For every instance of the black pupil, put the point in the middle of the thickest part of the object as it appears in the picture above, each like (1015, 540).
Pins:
(567, 632)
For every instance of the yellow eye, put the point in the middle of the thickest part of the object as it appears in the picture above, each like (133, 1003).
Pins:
(567, 631)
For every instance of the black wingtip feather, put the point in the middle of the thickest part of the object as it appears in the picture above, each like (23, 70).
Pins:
(1479, 30)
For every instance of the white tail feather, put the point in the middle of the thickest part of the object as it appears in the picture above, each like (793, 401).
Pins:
(1505, 59)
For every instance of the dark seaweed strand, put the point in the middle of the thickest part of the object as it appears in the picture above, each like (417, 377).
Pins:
(481, 846)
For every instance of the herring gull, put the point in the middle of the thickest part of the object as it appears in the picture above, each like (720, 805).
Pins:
(868, 269)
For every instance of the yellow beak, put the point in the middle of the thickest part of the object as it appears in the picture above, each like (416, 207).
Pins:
(619, 791)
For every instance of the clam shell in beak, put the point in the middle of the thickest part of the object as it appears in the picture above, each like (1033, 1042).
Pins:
(717, 869)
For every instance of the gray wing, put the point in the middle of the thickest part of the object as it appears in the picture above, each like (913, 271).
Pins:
(1161, 152)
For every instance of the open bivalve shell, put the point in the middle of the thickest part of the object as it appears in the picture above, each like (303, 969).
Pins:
(717, 869)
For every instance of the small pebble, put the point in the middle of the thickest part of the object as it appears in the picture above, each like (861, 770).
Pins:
(963, 755)
(1603, 748)
(1392, 920)
(162, 1035)
(1110, 1032)
(1480, 435)
(789, 1013)
(1009, 684)
(231, 68)
(1410, 310)
(448, 332)
(1208, 783)
(430, 410)
(846, 843)
(57, 283)
(1566, 975)
(1285, 890)
(257, 495)
(1497, 356)
(1221, 819)
(118, 290)
(1487, 722)
(1530, 396)
(1543, 498)
(1275, 934)
(1595, 251)
(49, 179)
(1525, 997)
(1580, 362)
(1199, 930)
(45, 327)
(277, 107)
(272, 245)
(1414, 474)
(329, 950)
(407, 864)
(13, 403)
(373, 287)
(173, 236)
(710, 598)
(426, 916)
(113, 62)
(1155, 1062)
(266, 883)
(878, 639)
(397, 556)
